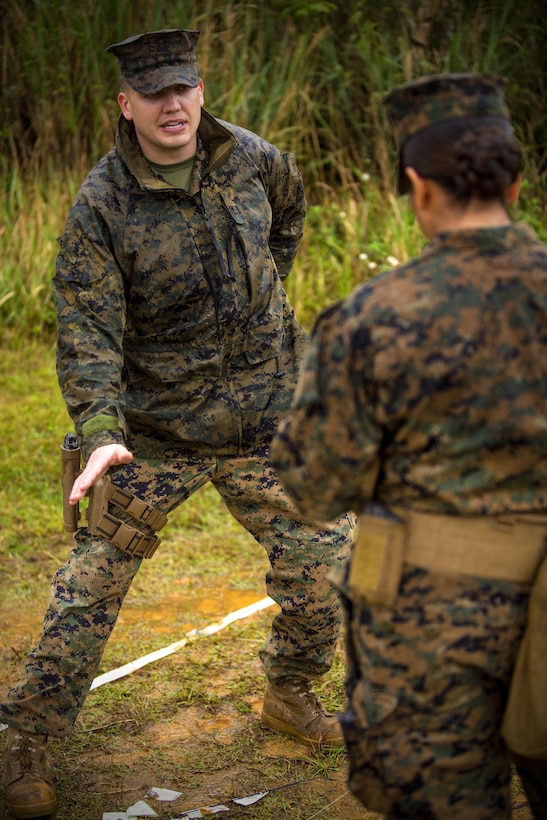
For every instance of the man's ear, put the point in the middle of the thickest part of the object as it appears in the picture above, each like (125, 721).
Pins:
(125, 105)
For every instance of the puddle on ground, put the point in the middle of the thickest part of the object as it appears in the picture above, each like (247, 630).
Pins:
(177, 613)
(174, 615)
(171, 618)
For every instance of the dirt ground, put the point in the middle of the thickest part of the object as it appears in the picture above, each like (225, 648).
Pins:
(119, 770)
(118, 767)
(191, 721)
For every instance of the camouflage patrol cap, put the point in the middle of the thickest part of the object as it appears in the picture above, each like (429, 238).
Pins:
(437, 98)
(157, 59)
(430, 100)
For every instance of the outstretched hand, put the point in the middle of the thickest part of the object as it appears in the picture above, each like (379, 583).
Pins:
(99, 462)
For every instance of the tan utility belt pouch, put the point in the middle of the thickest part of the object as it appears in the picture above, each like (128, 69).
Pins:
(378, 557)
(105, 499)
(524, 727)
(505, 547)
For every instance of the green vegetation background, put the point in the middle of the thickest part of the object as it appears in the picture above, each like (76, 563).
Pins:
(308, 75)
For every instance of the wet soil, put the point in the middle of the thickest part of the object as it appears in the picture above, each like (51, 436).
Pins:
(119, 749)
(193, 726)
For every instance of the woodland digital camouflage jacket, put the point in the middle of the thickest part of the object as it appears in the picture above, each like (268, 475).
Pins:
(427, 387)
(175, 332)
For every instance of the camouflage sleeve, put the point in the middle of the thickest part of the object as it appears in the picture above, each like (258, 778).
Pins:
(288, 201)
(284, 187)
(326, 451)
(90, 304)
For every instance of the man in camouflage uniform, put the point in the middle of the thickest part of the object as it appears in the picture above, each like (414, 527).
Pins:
(422, 408)
(178, 352)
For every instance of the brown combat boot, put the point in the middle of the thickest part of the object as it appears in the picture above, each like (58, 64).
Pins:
(28, 784)
(294, 709)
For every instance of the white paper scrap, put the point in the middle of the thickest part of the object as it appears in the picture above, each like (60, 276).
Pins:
(114, 815)
(3, 726)
(164, 794)
(252, 798)
(140, 809)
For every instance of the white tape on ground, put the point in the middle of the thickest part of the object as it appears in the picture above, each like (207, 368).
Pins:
(132, 666)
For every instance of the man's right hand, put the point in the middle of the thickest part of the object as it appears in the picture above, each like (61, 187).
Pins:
(99, 462)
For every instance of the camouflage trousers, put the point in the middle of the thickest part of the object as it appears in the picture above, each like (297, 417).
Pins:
(87, 592)
(426, 688)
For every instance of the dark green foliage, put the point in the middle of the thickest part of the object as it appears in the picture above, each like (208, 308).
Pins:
(306, 73)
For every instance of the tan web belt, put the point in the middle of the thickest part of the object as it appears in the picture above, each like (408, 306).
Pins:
(503, 547)
(506, 547)
(121, 533)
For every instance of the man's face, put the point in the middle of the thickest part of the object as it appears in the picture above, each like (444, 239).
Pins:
(165, 123)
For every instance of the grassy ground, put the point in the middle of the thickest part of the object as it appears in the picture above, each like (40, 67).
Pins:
(189, 722)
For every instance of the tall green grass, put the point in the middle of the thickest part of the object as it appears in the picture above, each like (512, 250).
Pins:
(345, 241)
(305, 73)
(308, 75)
(33, 212)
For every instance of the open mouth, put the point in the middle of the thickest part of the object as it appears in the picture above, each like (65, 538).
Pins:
(176, 125)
